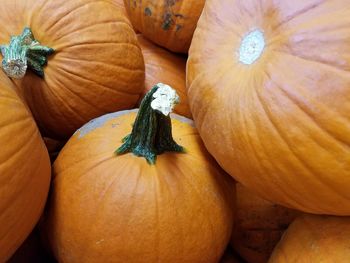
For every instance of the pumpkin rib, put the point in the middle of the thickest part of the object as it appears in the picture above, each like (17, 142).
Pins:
(101, 63)
(303, 164)
(279, 187)
(313, 115)
(106, 23)
(82, 44)
(92, 81)
(56, 95)
(79, 98)
(299, 13)
(69, 13)
(316, 62)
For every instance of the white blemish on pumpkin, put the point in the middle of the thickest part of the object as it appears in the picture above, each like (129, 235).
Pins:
(252, 46)
(99, 122)
(100, 241)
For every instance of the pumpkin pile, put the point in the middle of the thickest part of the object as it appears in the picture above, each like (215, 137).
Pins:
(175, 131)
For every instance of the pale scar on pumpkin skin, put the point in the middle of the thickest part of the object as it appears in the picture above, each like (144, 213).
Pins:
(252, 46)
(100, 121)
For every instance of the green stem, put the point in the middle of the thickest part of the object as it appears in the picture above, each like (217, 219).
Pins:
(151, 134)
(22, 52)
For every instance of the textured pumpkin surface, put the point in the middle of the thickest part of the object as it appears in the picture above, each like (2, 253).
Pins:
(163, 66)
(24, 171)
(108, 208)
(315, 239)
(259, 225)
(280, 125)
(97, 67)
(168, 23)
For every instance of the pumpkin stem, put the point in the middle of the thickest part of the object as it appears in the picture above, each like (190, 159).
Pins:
(151, 134)
(24, 51)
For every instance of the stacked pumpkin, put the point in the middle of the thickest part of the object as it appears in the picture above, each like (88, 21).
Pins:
(269, 90)
(266, 84)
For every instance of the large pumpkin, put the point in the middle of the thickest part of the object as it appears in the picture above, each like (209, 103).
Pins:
(259, 225)
(97, 65)
(107, 208)
(168, 23)
(24, 171)
(269, 90)
(315, 239)
(164, 66)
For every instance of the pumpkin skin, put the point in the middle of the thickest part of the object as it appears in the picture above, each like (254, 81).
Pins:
(121, 209)
(166, 67)
(97, 66)
(313, 238)
(168, 23)
(259, 225)
(24, 171)
(281, 125)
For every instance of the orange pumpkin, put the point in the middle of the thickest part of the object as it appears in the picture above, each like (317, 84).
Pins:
(166, 67)
(315, 239)
(168, 23)
(258, 226)
(24, 171)
(269, 90)
(107, 208)
(97, 65)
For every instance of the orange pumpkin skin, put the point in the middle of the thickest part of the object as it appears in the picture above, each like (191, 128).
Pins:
(316, 239)
(163, 66)
(259, 225)
(281, 125)
(169, 23)
(121, 209)
(24, 171)
(97, 66)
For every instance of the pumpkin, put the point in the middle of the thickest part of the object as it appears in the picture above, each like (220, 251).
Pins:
(269, 91)
(164, 66)
(314, 238)
(168, 23)
(174, 207)
(259, 225)
(24, 171)
(96, 68)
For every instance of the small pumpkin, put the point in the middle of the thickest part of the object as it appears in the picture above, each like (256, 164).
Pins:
(164, 66)
(168, 23)
(316, 239)
(94, 64)
(24, 171)
(269, 90)
(259, 225)
(176, 207)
